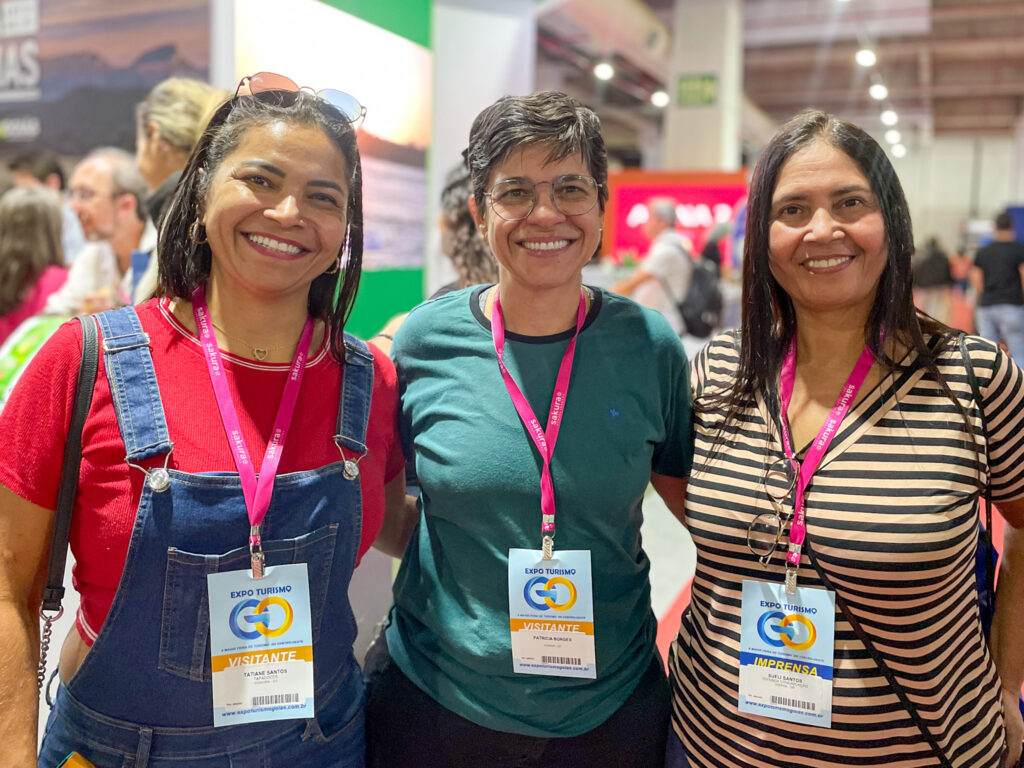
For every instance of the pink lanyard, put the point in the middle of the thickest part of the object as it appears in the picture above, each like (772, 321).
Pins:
(257, 493)
(544, 439)
(810, 464)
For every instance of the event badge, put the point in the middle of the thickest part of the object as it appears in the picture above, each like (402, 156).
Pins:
(551, 610)
(786, 653)
(261, 645)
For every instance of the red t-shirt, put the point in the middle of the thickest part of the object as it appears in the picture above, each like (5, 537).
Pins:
(35, 421)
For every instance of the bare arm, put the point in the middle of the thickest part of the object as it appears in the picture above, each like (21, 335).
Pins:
(627, 285)
(673, 492)
(977, 279)
(386, 335)
(25, 531)
(400, 517)
(1008, 625)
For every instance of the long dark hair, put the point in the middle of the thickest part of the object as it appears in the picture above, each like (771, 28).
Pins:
(30, 223)
(769, 320)
(185, 264)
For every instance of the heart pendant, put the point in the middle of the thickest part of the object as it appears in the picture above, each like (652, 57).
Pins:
(259, 353)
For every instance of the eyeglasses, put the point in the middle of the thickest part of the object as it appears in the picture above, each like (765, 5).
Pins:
(84, 194)
(765, 530)
(270, 83)
(571, 194)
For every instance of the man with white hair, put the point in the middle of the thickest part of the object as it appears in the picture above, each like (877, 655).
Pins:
(105, 191)
(663, 277)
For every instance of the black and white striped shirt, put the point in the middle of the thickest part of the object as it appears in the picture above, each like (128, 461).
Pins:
(891, 516)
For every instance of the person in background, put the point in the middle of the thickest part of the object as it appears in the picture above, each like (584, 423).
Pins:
(841, 454)
(712, 250)
(31, 260)
(241, 366)
(663, 277)
(998, 278)
(168, 123)
(933, 282)
(106, 192)
(42, 168)
(460, 242)
(481, 372)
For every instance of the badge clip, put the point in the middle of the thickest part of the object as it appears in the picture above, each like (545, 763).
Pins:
(256, 552)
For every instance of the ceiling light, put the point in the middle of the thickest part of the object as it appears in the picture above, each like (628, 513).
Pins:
(866, 57)
(898, 150)
(878, 91)
(604, 71)
(893, 136)
(660, 99)
(889, 117)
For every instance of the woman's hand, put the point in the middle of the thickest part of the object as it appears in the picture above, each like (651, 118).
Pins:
(1014, 727)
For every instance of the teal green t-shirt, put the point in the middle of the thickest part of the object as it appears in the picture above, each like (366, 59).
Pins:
(627, 414)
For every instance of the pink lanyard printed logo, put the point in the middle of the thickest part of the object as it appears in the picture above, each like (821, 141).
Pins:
(257, 492)
(544, 439)
(810, 464)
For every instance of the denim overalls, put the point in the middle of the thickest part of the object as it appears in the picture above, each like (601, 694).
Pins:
(143, 695)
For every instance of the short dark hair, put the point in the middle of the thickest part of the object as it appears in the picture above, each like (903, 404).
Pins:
(547, 118)
(1004, 221)
(40, 163)
(185, 264)
(769, 320)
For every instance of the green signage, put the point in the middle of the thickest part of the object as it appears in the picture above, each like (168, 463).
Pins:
(696, 90)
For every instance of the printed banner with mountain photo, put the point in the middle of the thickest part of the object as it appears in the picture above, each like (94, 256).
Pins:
(71, 71)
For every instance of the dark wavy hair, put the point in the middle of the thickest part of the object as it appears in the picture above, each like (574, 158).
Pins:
(460, 239)
(769, 320)
(185, 264)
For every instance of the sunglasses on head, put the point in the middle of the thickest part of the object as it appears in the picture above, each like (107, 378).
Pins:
(268, 82)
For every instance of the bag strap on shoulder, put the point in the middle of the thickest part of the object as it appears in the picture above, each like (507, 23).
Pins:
(53, 593)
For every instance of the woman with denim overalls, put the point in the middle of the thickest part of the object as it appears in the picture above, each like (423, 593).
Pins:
(238, 456)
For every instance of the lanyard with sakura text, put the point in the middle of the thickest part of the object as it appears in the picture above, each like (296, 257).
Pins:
(257, 493)
(544, 439)
(810, 464)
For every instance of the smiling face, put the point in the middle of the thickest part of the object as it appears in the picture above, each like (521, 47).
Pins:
(546, 250)
(275, 211)
(827, 235)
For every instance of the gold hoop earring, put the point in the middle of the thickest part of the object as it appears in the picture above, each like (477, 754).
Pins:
(336, 268)
(193, 231)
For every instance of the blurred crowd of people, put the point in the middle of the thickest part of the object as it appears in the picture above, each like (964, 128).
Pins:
(87, 242)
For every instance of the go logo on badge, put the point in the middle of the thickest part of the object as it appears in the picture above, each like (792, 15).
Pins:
(793, 631)
(258, 615)
(547, 591)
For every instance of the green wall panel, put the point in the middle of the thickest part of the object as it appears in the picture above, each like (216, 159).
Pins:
(408, 18)
(382, 295)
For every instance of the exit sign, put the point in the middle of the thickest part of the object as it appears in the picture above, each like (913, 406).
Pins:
(696, 90)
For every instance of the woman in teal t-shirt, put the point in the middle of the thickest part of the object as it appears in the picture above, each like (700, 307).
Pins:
(538, 411)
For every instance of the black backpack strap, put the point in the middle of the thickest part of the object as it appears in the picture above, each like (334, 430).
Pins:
(990, 569)
(53, 593)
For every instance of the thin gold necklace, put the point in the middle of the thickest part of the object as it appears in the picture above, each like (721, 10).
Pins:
(259, 353)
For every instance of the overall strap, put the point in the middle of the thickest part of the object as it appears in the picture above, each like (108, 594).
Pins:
(356, 394)
(133, 386)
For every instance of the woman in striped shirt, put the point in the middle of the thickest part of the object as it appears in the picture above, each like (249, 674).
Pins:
(839, 459)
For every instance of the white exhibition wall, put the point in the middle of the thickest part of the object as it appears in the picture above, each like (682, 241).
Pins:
(944, 176)
(483, 49)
